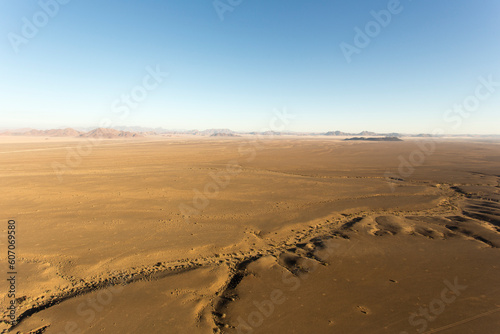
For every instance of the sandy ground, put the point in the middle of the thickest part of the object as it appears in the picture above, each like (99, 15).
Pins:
(244, 235)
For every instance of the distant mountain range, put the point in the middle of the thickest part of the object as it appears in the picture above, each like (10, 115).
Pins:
(110, 133)
(54, 133)
(69, 132)
(139, 132)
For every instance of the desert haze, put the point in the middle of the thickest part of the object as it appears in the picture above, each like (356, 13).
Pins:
(247, 234)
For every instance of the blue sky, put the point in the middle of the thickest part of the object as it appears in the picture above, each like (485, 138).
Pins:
(264, 55)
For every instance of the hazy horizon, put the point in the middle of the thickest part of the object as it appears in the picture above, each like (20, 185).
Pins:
(160, 128)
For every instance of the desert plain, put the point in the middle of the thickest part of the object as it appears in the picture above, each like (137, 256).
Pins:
(251, 235)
